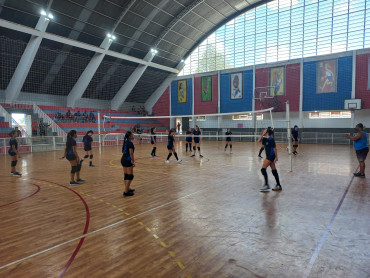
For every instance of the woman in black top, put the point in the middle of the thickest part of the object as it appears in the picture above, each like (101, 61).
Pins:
(263, 135)
(153, 141)
(228, 140)
(189, 139)
(13, 152)
(128, 163)
(295, 135)
(88, 139)
(70, 153)
(196, 139)
(171, 147)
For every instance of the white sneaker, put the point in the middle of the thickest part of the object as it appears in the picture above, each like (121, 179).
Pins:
(231, 152)
(178, 161)
(167, 161)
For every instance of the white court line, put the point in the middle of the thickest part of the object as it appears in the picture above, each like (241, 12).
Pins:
(98, 230)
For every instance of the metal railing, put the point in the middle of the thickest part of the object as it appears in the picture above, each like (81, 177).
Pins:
(46, 119)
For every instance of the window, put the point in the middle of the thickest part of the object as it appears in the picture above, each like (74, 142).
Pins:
(282, 30)
(330, 115)
(247, 117)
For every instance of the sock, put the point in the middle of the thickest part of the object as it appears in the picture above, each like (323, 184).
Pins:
(261, 150)
(154, 150)
(264, 173)
(276, 175)
(187, 147)
(175, 154)
(169, 155)
(90, 163)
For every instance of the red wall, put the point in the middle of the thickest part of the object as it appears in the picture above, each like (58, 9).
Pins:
(362, 67)
(205, 107)
(292, 84)
(162, 107)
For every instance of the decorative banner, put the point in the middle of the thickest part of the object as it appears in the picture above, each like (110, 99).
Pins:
(182, 93)
(236, 86)
(277, 81)
(327, 77)
(206, 93)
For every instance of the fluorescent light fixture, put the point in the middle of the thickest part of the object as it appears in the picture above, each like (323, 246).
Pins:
(109, 35)
(154, 51)
(182, 60)
(43, 13)
(50, 16)
(113, 37)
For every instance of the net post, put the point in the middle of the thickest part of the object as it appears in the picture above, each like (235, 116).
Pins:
(99, 133)
(54, 145)
(272, 120)
(288, 136)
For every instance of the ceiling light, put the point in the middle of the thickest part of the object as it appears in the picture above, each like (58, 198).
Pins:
(182, 60)
(109, 35)
(50, 16)
(154, 51)
(113, 37)
(43, 13)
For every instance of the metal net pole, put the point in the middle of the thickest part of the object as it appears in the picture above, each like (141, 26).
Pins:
(288, 136)
(99, 132)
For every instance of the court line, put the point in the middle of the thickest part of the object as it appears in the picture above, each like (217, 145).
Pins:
(82, 237)
(327, 229)
(34, 193)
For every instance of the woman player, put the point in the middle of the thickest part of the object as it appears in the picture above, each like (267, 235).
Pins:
(13, 152)
(196, 139)
(88, 139)
(153, 141)
(263, 135)
(72, 156)
(271, 159)
(189, 139)
(128, 163)
(228, 140)
(171, 147)
(295, 135)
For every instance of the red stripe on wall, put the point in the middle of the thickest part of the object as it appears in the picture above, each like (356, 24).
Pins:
(205, 107)
(162, 107)
(362, 71)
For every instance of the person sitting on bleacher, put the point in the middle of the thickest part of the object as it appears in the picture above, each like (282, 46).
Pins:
(69, 116)
(92, 117)
(58, 116)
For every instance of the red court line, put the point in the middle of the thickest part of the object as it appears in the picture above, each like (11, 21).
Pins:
(71, 259)
(34, 193)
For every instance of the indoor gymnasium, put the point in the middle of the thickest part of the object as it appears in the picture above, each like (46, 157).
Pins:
(184, 138)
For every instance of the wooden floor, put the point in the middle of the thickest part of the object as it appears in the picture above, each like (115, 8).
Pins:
(200, 218)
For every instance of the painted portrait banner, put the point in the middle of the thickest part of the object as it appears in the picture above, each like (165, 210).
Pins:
(182, 93)
(206, 88)
(277, 81)
(236, 91)
(327, 76)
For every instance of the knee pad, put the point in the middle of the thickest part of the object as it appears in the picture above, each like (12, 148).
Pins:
(126, 177)
(198, 148)
(91, 156)
(155, 148)
(295, 146)
(225, 146)
(275, 173)
(263, 171)
(194, 148)
(78, 168)
(74, 169)
(86, 156)
(14, 163)
(130, 177)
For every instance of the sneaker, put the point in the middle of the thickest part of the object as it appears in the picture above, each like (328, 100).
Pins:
(73, 183)
(80, 181)
(259, 156)
(200, 155)
(167, 161)
(11, 173)
(193, 155)
(130, 193)
(178, 161)
(277, 188)
(152, 155)
(359, 175)
(16, 174)
(132, 190)
(231, 152)
(155, 155)
(92, 166)
(265, 188)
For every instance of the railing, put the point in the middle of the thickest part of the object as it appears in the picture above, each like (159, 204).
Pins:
(46, 119)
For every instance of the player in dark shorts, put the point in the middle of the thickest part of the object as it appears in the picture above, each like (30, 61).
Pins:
(361, 148)
(13, 152)
(263, 147)
(295, 137)
(228, 140)
(128, 163)
(87, 140)
(70, 153)
(171, 146)
(271, 159)
(153, 141)
(196, 139)
(189, 139)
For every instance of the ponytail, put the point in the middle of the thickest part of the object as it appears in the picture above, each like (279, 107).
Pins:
(70, 135)
(152, 129)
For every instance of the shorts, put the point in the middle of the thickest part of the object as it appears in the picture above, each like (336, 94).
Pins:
(228, 139)
(196, 140)
(362, 154)
(71, 157)
(153, 142)
(271, 158)
(170, 147)
(87, 148)
(12, 153)
(126, 163)
(189, 140)
(295, 139)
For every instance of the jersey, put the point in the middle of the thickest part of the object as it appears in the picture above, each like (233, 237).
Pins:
(87, 141)
(126, 150)
(361, 143)
(188, 136)
(69, 146)
(295, 134)
(153, 137)
(228, 138)
(269, 144)
(196, 136)
(171, 140)
(13, 142)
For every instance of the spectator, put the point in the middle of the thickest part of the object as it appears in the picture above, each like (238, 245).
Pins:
(92, 117)
(59, 116)
(42, 128)
(19, 133)
(178, 127)
(34, 129)
(68, 115)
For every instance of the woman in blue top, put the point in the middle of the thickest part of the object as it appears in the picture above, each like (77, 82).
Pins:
(13, 152)
(128, 163)
(153, 141)
(88, 139)
(361, 148)
(171, 146)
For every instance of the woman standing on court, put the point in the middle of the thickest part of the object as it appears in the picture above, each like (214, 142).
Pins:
(196, 139)
(263, 135)
(153, 141)
(228, 140)
(88, 139)
(189, 139)
(171, 147)
(361, 148)
(128, 163)
(271, 159)
(13, 152)
(70, 153)
(295, 135)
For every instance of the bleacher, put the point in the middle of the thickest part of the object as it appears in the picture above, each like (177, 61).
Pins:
(4, 128)
(107, 125)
